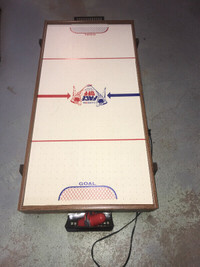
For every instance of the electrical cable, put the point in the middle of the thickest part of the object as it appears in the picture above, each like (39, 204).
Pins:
(116, 232)
(134, 219)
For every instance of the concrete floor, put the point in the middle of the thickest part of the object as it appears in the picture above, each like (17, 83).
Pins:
(169, 56)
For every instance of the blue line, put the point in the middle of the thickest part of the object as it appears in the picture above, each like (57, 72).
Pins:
(122, 95)
(87, 186)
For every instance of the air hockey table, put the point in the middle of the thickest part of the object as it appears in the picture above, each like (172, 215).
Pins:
(88, 147)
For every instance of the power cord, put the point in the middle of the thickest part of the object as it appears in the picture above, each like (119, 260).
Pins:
(133, 220)
(116, 232)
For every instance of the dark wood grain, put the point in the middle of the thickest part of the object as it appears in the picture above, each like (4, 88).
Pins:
(28, 147)
(150, 162)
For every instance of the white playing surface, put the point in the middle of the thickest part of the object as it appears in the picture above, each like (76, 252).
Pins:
(102, 146)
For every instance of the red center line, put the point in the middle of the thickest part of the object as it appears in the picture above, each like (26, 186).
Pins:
(87, 140)
(82, 58)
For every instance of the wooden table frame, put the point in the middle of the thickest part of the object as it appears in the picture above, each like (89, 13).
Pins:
(63, 208)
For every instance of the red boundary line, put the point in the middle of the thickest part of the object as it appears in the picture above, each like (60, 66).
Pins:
(82, 58)
(87, 140)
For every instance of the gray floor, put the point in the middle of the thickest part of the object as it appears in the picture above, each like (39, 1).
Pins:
(169, 34)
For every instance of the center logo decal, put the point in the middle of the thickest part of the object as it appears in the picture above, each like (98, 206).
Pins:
(89, 95)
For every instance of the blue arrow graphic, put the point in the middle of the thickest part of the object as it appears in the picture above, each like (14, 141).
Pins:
(122, 95)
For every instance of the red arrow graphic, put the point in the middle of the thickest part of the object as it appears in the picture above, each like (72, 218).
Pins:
(55, 96)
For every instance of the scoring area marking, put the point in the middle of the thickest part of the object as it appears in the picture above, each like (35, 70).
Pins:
(88, 192)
